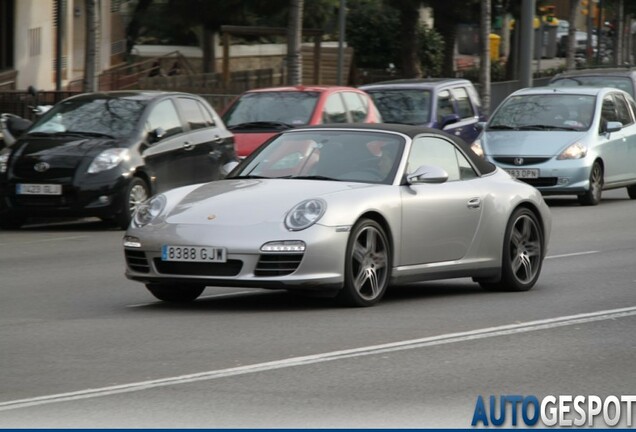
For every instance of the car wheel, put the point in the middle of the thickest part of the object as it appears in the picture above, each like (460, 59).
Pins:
(367, 266)
(631, 191)
(522, 254)
(11, 221)
(175, 294)
(136, 193)
(593, 194)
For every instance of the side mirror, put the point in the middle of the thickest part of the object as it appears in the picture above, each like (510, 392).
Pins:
(156, 135)
(480, 126)
(613, 126)
(427, 174)
(449, 119)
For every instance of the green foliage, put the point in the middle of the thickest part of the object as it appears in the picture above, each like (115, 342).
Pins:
(431, 51)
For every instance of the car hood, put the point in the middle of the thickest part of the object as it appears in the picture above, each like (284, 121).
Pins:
(63, 146)
(522, 143)
(245, 202)
(246, 142)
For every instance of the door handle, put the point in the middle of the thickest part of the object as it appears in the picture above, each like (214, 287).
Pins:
(217, 139)
(474, 203)
(188, 146)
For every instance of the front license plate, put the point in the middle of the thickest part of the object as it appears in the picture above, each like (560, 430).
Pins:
(193, 253)
(524, 173)
(38, 189)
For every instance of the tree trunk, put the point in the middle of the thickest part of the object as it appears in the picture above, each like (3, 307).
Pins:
(90, 46)
(411, 64)
(208, 48)
(484, 61)
(447, 28)
(132, 30)
(620, 21)
(294, 39)
(570, 49)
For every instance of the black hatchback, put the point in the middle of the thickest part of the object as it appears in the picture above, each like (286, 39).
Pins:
(102, 154)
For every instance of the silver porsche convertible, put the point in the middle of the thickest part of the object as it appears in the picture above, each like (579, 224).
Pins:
(345, 210)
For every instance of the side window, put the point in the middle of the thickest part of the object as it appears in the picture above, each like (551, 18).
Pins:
(435, 151)
(623, 110)
(632, 104)
(608, 112)
(464, 107)
(444, 105)
(164, 115)
(334, 111)
(356, 107)
(195, 114)
(466, 170)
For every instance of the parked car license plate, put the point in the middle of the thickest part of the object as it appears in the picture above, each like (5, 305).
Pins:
(524, 173)
(193, 253)
(38, 189)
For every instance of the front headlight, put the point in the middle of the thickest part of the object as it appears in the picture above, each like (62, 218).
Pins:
(305, 214)
(108, 159)
(148, 211)
(476, 147)
(575, 151)
(4, 159)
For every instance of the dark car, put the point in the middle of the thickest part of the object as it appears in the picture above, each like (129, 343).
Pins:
(450, 104)
(620, 78)
(102, 154)
(259, 114)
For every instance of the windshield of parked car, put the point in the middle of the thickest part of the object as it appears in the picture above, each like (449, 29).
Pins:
(109, 117)
(544, 112)
(622, 83)
(408, 106)
(292, 108)
(357, 156)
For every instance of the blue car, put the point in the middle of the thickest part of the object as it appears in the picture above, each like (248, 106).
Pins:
(565, 141)
(449, 104)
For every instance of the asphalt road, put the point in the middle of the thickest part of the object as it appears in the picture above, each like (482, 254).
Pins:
(81, 346)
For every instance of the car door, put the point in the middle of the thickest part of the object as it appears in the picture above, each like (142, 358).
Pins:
(207, 142)
(440, 221)
(611, 145)
(468, 117)
(626, 143)
(166, 156)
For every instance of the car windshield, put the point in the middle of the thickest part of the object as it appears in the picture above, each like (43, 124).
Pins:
(622, 83)
(544, 112)
(409, 106)
(110, 117)
(357, 156)
(292, 108)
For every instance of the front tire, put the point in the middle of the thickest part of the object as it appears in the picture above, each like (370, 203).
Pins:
(523, 253)
(593, 195)
(367, 266)
(631, 191)
(175, 294)
(11, 220)
(136, 193)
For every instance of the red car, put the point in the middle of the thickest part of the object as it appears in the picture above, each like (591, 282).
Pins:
(257, 115)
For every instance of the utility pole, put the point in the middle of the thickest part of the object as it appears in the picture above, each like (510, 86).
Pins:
(294, 39)
(342, 14)
(484, 61)
(526, 50)
(90, 50)
(59, 13)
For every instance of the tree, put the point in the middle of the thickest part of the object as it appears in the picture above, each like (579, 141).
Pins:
(570, 63)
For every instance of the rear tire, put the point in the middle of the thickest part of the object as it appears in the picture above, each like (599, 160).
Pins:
(10, 221)
(522, 255)
(367, 266)
(631, 191)
(593, 195)
(136, 193)
(175, 294)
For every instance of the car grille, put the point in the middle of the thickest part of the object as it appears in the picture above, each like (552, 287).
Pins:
(526, 160)
(137, 261)
(60, 170)
(541, 181)
(277, 264)
(229, 268)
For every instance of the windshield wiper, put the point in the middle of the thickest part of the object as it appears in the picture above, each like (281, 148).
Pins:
(535, 127)
(248, 176)
(312, 177)
(501, 127)
(89, 133)
(261, 125)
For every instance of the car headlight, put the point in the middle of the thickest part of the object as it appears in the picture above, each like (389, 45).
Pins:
(305, 214)
(108, 159)
(148, 211)
(4, 159)
(476, 147)
(575, 151)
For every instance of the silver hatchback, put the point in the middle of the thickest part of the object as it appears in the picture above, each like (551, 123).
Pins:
(577, 141)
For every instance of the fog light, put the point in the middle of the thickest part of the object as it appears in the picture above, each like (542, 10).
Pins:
(104, 199)
(284, 246)
(563, 180)
(132, 242)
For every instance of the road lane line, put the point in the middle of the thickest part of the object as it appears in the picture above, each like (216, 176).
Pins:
(46, 240)
(572, 254)
(489, 332)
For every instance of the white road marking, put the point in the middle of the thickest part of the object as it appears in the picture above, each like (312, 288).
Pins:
(572, 254)
(46, 240)
(211, 296)
(489, 332)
